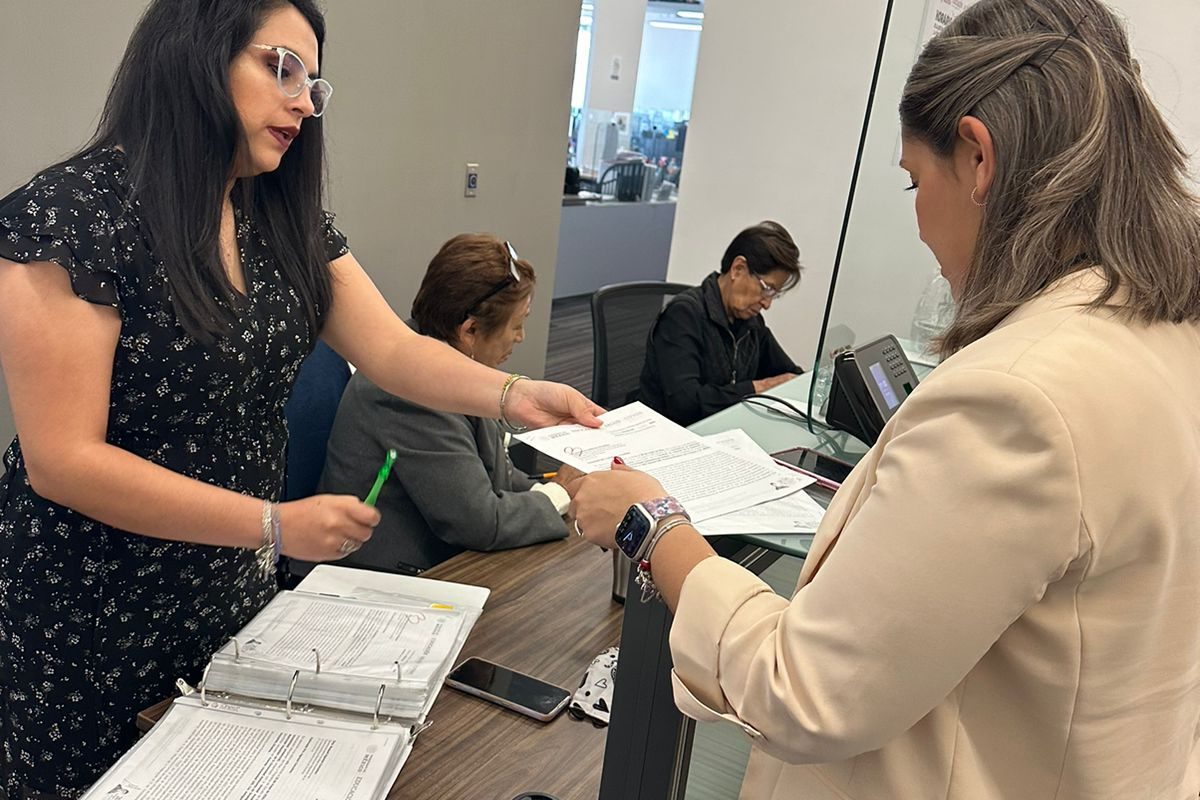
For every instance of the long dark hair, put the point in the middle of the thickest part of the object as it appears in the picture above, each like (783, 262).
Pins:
(1088, 173)
(170, 109)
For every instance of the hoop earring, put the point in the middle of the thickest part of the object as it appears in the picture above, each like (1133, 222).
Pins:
(976, 202)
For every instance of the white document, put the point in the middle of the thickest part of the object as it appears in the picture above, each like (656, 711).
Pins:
(740, 442)
(796, 513)
(225, 751)
(380, 587)
(364, 584)
(355, 638)
(707, 480)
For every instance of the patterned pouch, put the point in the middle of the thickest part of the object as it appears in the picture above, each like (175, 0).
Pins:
(593, 699)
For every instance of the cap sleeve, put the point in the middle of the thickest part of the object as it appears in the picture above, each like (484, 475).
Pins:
(336, 245)
(62, 218)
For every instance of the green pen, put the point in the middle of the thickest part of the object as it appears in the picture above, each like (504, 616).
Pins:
(384, 471)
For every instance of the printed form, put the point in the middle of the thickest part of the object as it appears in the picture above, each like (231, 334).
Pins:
(354, 638)
(796, 513)
(206, 752)
(708, 480)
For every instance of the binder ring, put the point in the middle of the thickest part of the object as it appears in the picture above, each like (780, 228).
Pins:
(237, 649)
(204, 684)
(378, 705)
(317, 656)
(291, 691)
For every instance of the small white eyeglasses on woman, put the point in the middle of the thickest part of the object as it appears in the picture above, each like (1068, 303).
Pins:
(292, 76)
(769, 291)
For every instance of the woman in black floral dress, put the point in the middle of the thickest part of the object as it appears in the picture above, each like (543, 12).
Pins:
(150, 418)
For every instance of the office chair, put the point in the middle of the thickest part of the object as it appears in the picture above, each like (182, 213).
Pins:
(622, 315)
(309, 412)
(623, 180)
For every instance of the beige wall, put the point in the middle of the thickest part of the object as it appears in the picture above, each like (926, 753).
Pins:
(777, 110)
(804, 92)
(422, 87)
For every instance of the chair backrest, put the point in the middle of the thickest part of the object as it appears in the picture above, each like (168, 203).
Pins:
(622, 316)
(310, 412)
(624, 180)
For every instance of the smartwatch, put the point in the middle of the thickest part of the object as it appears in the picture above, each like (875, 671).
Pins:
(633, 534)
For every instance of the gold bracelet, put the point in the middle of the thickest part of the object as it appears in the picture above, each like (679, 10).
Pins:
(508, 384)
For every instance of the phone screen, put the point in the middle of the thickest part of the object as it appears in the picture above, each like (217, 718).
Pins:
(816, 463)
(514, 687)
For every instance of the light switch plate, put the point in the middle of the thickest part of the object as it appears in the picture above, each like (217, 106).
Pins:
(471, 188)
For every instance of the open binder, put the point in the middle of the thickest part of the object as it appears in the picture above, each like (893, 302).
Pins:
(320, 695)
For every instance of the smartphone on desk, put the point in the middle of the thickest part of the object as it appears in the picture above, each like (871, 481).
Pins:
(508, 688)
(830, 472)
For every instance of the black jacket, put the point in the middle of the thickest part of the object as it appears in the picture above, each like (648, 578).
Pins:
(697, 363)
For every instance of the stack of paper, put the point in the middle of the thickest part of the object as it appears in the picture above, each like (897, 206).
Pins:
(200, 752)
(385, 644)
(726, 482)
(796, 513)
(339, 653)
(709, 481)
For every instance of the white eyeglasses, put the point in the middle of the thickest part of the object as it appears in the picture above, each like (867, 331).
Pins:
(292, 77)
(769, 291)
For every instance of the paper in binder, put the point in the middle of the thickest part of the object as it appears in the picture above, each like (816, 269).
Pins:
(320, 695)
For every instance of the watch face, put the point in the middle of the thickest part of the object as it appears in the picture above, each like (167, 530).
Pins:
(633, 530)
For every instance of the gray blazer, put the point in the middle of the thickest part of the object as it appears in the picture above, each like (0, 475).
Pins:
(452, 487)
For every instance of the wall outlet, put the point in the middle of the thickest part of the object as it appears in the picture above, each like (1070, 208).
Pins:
(471, 188)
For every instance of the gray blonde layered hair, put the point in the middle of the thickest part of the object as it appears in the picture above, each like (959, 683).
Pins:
(1088, 174)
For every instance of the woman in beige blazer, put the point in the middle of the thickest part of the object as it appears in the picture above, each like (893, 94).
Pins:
(1002, 600)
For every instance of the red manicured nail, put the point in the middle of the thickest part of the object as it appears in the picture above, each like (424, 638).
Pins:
(617, 460)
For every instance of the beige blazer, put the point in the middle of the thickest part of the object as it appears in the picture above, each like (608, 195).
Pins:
(1003, 600)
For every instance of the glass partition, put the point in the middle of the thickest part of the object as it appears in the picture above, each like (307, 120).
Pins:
(886, 281)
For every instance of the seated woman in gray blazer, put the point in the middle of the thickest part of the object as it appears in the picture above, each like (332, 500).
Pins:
(452, 487)
(1001, 601)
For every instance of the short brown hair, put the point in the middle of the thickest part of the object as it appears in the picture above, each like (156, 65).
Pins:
(458, 280)
(767, 247)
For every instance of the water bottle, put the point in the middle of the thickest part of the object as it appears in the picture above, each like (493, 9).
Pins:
(934, 313)
(821, 384)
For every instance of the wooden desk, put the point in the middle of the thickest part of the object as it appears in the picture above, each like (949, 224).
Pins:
(550, 613)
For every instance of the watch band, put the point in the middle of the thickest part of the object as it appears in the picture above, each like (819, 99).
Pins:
(661, 507)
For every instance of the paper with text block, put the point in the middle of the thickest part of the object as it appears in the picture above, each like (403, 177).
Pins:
(198, 752)
(708, 480)
(796, 513)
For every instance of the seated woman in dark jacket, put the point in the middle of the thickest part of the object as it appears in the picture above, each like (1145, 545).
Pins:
(710, 346)
(452, 487)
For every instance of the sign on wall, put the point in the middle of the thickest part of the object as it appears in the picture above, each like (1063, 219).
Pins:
(939, 14)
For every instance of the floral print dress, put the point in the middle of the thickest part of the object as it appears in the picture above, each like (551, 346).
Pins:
(97, 623)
